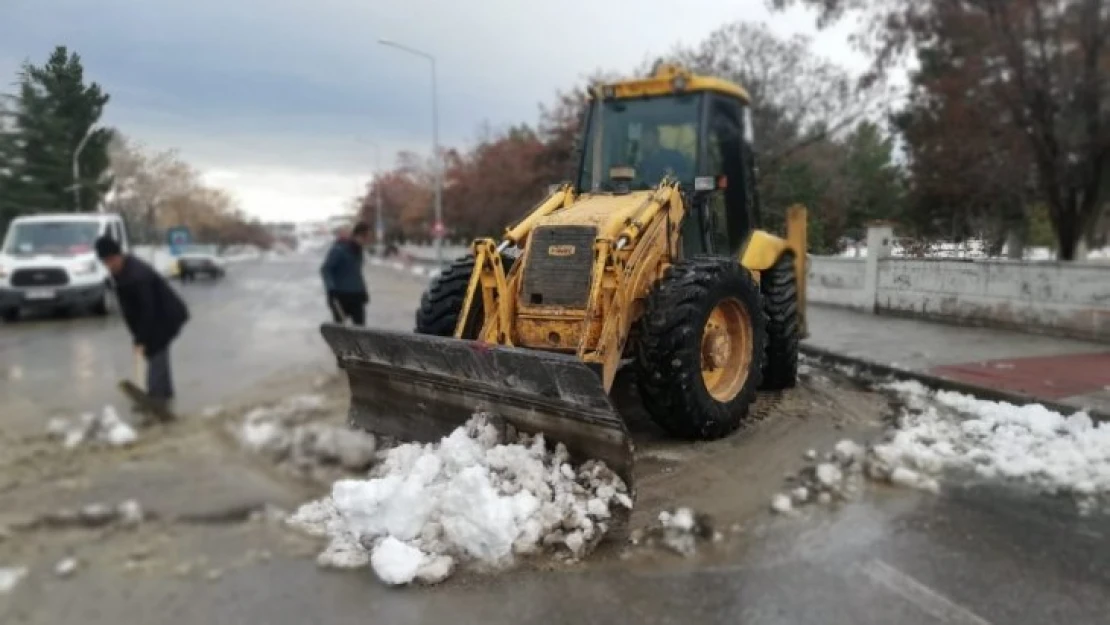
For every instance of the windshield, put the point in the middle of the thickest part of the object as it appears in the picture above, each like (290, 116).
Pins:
(654, 136)
(56, 238)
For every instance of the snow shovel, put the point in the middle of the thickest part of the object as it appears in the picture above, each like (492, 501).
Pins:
(343, 319)
(133, 389)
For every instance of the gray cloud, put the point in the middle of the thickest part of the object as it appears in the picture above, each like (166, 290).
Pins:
(304, 86)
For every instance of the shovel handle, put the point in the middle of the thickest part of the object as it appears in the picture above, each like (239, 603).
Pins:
(140, 368)
(338, 311)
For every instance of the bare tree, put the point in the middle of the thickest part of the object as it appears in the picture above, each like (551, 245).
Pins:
(160, 191)
(1049, 70)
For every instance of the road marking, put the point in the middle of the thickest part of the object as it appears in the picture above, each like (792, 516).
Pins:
(928, 600)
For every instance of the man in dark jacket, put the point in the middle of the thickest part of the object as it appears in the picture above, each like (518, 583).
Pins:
(342, 273)
(153, 311)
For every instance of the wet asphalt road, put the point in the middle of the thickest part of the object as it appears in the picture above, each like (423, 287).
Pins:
(969, 556)
(261, 320)
(895, 558)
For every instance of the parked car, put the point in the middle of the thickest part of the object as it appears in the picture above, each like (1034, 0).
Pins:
(193, 264)
(48, 262)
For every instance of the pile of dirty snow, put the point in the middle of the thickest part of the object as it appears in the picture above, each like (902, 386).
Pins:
(105, 428)
(479, 497)
(946, 431)
(285, 433)
(126, 514)
(946, 434)
(836, 477)
(679, 530)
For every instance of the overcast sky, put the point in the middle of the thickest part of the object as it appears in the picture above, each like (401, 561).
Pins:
(281, 101)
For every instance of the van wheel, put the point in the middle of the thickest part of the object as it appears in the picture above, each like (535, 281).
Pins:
(10, 315)
(103, 305)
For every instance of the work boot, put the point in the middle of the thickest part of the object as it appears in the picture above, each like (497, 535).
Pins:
(141, 415)
(162, 409)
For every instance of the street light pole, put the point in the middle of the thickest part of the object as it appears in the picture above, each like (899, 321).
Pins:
(77, 170)
(438, 232)
(379, 222)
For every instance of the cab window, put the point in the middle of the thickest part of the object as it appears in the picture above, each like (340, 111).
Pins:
(655, 137)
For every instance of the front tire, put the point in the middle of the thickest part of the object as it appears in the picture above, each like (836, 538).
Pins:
(701, 349)
(441, 305)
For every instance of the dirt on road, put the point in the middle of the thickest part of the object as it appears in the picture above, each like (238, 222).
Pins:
(195, 477)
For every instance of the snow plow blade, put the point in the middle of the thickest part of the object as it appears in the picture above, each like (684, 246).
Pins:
(418, 387)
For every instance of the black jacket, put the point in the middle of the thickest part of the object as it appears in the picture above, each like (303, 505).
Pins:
(153, 311)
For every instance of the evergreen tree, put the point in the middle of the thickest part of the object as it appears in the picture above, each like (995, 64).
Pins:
(51, 119)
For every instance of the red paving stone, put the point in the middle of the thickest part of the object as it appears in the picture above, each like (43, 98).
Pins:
(1048, 377)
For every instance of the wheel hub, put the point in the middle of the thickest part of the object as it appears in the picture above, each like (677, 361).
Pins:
(725, 350)
(716, 348)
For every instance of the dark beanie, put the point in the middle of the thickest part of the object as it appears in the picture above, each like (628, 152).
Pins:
(106, 246)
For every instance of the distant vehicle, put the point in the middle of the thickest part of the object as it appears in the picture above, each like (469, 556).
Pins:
(47, 262)
(198, 262)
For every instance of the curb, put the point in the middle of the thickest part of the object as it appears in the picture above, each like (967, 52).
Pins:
(946, 384)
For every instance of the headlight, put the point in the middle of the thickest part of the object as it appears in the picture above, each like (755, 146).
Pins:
(86, 268)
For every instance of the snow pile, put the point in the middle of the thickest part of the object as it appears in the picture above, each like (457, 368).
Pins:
(679, 530)
(126, 514)
(945, 431)
(481, 496)
(66, 567)
(839, 477)
(10, 578)
(105, 428)
(281, 432)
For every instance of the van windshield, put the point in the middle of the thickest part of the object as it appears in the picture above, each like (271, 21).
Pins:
(55, 238)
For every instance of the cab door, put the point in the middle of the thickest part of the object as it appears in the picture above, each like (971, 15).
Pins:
(731, 208)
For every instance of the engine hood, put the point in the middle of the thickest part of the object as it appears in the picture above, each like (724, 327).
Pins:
(47, 260)
(601, 210)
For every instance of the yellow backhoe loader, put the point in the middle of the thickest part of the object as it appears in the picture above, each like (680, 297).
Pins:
(653, 256)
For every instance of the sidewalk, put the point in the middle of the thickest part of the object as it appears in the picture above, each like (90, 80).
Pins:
(1002, 364)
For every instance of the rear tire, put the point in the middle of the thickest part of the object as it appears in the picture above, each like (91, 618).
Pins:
(698, 380)
(10, 315)
(780, 303)
(441, 304)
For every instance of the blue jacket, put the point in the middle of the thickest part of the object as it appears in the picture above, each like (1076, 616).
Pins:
(342, 269)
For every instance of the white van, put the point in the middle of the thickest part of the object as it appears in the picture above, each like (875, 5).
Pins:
(48, 262)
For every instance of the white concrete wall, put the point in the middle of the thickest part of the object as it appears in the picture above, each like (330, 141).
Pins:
(1065, 299)
(838, 281)
(427, 253)
(1069, 299)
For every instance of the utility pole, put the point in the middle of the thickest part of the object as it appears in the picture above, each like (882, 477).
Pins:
(438, 229)
(379, 220)
(77, 170)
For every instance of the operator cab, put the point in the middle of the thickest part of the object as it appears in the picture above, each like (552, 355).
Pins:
(696, 130)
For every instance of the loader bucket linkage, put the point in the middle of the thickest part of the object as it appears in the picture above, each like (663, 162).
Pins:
(418, 387)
